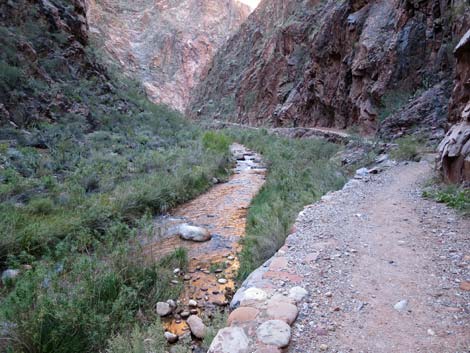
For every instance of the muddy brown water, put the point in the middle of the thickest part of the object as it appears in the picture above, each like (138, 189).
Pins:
(223, 211)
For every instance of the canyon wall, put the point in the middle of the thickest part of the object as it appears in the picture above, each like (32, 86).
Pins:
(337, 64)
(454, 150)
(164, 43)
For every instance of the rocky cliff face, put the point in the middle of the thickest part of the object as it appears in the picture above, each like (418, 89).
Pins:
(165, 43)
(454, 150)
(337, 64)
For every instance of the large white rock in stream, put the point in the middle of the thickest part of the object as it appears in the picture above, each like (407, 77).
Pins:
(188, 232)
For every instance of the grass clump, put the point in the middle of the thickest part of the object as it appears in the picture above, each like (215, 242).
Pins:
(408, 149)
(453, 196)
(299, 173)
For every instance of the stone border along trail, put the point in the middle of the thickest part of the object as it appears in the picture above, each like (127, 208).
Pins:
(373, 267)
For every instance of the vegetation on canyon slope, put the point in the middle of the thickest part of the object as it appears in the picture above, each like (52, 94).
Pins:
(85, 162)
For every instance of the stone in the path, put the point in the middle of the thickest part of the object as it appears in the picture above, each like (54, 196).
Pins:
(282, 310)
(297, 293)
(163, 308)
(465, 285)
(192, 303)
(222, 280)
(323, 347)
(171, 337)
(196, 326)
(171, 303)
(401, 305)
(244, 313)
(188, 232)
(230, 340)
(184, 314)
(274, 332)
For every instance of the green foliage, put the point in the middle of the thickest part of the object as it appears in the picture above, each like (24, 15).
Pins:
(300, 172)
(216, 141)
(393, 101)
(408, 149)
(219, 321)
(151, 340)
(86, 296)
(10, 76)
(454, 196)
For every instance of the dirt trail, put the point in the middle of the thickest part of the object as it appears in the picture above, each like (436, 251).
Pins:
(370, 246)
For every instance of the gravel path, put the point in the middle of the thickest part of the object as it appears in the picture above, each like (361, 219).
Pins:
(386, 270)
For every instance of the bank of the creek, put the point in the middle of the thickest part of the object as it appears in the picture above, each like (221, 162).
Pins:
(213, 265)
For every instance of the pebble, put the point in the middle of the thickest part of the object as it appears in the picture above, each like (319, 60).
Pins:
(222, 280)
(401, 305)
(297, 293)
(192, 303)
(323, 347)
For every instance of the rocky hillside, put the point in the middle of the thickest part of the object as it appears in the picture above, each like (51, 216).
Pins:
(164, 43)
(337, 64)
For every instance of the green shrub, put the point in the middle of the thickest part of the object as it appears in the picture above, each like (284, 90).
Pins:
(150, 340)
(216, 141)
(408, 149)
(454, 196)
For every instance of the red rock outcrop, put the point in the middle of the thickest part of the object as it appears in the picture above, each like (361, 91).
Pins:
(165, 44)
(454, 150)
(332, 63)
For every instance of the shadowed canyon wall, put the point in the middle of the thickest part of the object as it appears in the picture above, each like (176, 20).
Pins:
(337, 64)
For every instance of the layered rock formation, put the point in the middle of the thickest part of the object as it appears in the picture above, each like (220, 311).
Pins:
(164, 43)
(454, 150)
(336, 64)
(43, 47)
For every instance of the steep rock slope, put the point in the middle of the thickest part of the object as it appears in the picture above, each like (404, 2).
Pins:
(336, 64)
(454, 150)
(164, 43)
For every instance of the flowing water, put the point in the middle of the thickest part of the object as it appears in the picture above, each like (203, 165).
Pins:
(213, 264)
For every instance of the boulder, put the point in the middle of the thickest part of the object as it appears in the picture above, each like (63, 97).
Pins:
(244, 313)
(196, 326)
(230, 340)
(193, 233)
(9, 275)
(252, 295)
(454, 154)
(282, 310)
(274, 332)
(163, 309)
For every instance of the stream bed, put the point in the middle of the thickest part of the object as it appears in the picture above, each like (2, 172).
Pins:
(212, 265)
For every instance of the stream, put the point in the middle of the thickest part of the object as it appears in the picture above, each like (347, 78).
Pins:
(212, 265)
